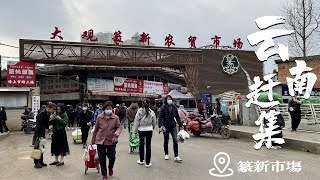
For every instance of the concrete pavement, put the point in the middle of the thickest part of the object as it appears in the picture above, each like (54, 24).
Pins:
(4, 135)
(197, 154)
(306, 141)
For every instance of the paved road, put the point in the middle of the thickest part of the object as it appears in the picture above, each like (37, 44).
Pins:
(197, 154)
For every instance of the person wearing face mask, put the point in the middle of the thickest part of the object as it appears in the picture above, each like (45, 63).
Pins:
(98, 112)
(42, 125)
(85, 123)
(105, 135)
(144, 123)
(169, 117)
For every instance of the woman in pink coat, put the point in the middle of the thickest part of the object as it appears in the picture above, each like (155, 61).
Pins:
(183, 114)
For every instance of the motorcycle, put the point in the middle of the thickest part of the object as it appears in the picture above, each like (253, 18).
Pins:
(28, 124)
(219, 125)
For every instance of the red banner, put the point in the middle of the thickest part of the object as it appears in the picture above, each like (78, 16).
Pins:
(21, 74)
(128, 85)
(166, 88)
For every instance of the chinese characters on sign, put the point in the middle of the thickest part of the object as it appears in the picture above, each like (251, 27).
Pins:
(128, 85)
(267, 117)
(192, 41)
(35, 105)
(144, 38)
(263, 166)
(216, 41)
(237, 43)
(56, 33)
(88, 35)
(21, 74)
(152, 87)
(169, 40)
(117, 37)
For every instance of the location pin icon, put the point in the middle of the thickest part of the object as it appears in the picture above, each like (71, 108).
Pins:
(221, 161)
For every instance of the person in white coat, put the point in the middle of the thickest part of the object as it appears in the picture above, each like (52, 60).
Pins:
(144, 124)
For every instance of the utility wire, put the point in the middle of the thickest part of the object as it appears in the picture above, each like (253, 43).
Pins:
(9, 45)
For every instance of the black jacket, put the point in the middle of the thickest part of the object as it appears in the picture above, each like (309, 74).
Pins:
(3, 115)
(167, 118)
(85, 117)
(71, 114)
(42, 124)
(122, 113)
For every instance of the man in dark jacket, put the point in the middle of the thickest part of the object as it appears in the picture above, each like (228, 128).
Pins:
(131, 113)
(71, 116)
(42, 125)
(169, 117)
(122, 114)
(86, 120)
(3, 119)
(78, 111)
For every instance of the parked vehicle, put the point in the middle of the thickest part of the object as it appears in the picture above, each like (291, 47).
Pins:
(28, 123)
(215, 124)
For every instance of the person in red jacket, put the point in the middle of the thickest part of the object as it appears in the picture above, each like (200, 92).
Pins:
(116, 110)
(200, 108)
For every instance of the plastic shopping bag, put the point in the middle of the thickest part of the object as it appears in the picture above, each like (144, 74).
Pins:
(92, 129)
(187, 135)
(86, 155)
(182, 135)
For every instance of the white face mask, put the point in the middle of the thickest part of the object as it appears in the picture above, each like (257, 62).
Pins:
(169, 101)
(85, 108)
(108, 111)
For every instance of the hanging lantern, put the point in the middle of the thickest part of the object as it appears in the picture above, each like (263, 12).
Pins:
(230, 103)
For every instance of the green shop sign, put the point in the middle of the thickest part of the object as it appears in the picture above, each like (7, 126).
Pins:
(230, 64)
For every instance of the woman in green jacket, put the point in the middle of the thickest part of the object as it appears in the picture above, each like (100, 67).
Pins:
(59, 144)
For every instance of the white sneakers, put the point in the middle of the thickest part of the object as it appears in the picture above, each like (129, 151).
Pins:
(142, 163)
(176, 159)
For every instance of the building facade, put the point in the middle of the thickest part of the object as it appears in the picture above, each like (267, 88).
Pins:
(283, 73)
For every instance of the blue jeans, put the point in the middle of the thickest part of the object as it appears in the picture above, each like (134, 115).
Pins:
(173, 132)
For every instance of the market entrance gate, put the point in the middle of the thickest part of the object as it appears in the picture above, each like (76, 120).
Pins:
(201, 67)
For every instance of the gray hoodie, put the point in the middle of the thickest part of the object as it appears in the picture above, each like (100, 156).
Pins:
(143, 122)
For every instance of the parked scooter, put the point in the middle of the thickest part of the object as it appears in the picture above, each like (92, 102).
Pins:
(219, 125)
(28, 124)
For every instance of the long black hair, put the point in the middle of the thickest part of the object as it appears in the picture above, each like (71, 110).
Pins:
(146, 106)
(63, 109)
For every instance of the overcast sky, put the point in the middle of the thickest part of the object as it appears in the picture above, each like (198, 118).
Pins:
(230, 19)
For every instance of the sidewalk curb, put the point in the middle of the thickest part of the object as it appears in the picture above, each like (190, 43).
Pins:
(2, 136)
(290, 143)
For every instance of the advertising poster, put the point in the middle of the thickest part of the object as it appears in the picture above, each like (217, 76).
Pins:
(21, 74)
(128, 85)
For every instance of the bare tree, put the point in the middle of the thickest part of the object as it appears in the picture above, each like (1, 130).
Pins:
(303, 16)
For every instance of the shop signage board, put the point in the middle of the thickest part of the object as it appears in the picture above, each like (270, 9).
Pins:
(35, 106)
(96, 84)
(21, 74)
(128, 85)
(152, 87)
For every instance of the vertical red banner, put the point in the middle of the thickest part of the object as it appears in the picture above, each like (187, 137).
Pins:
(21, 74)
(166, 88)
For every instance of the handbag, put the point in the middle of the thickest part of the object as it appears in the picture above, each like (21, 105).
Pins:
(35, 154)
